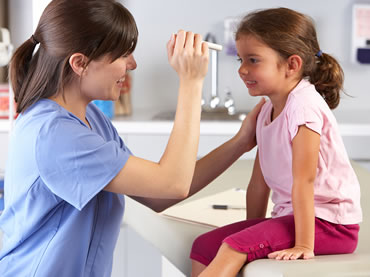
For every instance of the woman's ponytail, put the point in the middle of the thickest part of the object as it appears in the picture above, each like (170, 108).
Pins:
(328, 79)
(19, 70)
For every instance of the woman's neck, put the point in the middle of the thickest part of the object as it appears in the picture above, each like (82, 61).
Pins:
(72, 102)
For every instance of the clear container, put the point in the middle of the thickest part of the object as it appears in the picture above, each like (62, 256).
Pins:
(107, 107)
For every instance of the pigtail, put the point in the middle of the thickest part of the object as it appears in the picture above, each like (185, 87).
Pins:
(19, 71)
(328, 79)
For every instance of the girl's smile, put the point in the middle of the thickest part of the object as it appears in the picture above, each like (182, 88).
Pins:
(261, 67)
(250, 84)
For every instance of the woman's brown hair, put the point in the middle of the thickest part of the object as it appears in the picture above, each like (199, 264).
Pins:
(291, 33)
(94, 28)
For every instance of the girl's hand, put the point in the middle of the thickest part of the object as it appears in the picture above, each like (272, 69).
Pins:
(292, 253)
(188, 55)
(247, 132)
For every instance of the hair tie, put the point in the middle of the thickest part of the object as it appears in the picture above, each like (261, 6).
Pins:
(318, 54)
(34, 40)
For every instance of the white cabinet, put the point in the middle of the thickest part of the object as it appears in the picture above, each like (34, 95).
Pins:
(146, 146)
(135, 256)
(148, 139)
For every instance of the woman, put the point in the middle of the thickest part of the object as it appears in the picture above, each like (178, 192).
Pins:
(68, 169)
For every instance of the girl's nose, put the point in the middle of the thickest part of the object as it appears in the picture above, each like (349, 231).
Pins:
(242, 71)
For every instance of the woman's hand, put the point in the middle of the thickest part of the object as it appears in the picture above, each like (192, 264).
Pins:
(188, 55)
(292, 253)
(247, 132)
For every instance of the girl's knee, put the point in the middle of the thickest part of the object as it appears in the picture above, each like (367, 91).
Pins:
(228, 252)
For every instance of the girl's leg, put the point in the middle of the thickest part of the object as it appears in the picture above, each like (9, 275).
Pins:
(196, 268)
(261, 238)
(227, 263)
(206, 246)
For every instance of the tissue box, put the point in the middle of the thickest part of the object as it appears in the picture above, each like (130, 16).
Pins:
(4, 101)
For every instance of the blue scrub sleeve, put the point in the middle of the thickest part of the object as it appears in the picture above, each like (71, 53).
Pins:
(75, 162)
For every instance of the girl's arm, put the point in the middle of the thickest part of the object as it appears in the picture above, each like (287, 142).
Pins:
(216, 162)
(306, 145)
(171, 176)
(257, 193)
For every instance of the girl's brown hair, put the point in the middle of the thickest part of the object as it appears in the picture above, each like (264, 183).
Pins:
(92, 27)
(291, 33)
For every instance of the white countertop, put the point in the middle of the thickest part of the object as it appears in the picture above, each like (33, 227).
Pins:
(351, 123)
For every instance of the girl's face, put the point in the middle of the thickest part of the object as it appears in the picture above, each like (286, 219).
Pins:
(262, 69)
(103, 79)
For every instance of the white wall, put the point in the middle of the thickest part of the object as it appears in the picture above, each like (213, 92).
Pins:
(155, 83)
(20, 21)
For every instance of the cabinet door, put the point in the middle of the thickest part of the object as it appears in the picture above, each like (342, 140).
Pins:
(151, 147)
(357, 147)
(134, 256)
(209, 142)
(147, 146)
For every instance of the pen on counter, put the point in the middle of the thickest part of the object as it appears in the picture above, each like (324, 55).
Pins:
(214, 46)
(227, 207)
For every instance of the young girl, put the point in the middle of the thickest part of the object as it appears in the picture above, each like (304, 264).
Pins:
(67, 168)
(301, 157)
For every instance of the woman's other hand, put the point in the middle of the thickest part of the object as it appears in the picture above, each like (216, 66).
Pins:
(247, 132)
(188, 55)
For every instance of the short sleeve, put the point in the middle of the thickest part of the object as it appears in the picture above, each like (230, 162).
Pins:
(304, 114)
(75, 162)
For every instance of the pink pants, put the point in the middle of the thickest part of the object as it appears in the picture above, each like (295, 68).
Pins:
(259, 237)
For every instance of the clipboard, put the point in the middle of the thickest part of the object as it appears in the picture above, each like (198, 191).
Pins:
(200, 211)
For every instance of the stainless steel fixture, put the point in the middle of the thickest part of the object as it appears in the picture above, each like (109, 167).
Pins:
(213, 111)
(229, 102)
(215, 99)
(218, 114)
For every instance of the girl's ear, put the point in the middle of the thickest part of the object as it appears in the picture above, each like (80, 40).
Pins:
(294, 63)
(78, 63)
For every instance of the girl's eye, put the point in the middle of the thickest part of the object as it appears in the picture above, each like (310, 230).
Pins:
(239, 60)
(253, 60)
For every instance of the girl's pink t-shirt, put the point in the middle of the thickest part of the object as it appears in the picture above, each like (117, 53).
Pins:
(336, 187)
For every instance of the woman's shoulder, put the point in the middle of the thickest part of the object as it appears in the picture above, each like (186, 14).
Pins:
(46, 120)
(41, 113)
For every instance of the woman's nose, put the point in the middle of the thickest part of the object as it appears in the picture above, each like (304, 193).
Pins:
(131, 64)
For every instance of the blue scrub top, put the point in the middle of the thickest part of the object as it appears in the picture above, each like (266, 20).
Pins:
(57, 220)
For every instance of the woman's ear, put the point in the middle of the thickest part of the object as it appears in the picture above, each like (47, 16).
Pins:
(78, 63)
(294, 63)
